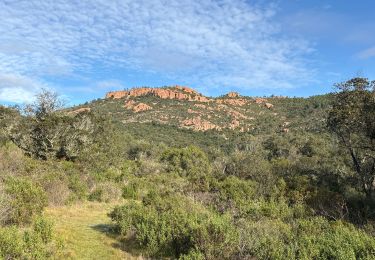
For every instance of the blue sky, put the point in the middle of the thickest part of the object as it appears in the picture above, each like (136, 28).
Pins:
(85, 48)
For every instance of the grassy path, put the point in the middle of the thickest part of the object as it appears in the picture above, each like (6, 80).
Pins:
(84, 228)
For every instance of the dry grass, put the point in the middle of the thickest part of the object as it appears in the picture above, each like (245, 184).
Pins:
(86, 232)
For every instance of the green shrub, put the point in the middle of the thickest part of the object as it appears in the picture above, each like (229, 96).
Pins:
(130, 191)
(11, 243)
(44, 228)
(27, 200)
(192, 255)
(105, 192)
(78, 187)
(96, 195)
(236, 194)
(190, 162)
(171, 225)
(34, 243)
(322, 239)
(314, 238)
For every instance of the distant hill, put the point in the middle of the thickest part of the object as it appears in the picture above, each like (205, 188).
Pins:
(185, 108)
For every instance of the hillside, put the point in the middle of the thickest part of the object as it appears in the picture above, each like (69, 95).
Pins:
(185, 108)
(169, 173)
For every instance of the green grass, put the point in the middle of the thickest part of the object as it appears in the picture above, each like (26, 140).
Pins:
(85, 230)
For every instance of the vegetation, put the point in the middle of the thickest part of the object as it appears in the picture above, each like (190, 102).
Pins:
(352, 120)
(102, 180)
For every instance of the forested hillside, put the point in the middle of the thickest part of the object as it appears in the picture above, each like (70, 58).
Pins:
(195, 177)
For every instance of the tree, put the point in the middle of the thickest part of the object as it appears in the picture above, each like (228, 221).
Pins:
(8, 118)
(47, 131)
(352, 119)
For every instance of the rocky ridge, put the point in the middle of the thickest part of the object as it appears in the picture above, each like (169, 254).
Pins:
(193, 110)
(176, 92)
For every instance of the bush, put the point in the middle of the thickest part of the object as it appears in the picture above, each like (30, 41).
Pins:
(172, 225)
(44, 228)
(105, 192)
(11, 243)
(314, 238)
(5, 207)
(58, 192)
(235, 194)
(130, 191)
(27, 200)
(190, 162)
(34, 243)
(78, 187)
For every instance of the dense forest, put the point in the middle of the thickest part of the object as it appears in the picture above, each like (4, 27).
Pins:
(298, 184)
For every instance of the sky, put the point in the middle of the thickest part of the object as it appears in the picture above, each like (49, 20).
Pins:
(84, 48)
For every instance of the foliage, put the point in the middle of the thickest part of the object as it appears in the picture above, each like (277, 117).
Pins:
(262, 193)
(190, 162)
(35, 243)
(314, 238)
(47, 132)
(26, 199)
(352, 120)
(164, 228)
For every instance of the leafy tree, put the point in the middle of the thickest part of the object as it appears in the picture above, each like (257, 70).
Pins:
(47, 131)
(352, 119)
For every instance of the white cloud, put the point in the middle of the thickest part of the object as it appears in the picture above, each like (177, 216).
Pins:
(109, 84)
(367, 53)
(18, 88)
(218, 43)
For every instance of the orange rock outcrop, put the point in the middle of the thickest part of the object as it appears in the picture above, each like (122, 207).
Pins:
(187, 89)
(131, 105)
(233, 94)
(199, 124)
(234, 102)
(178, 92)
(141, 107)
(234, 124)
(260, 100)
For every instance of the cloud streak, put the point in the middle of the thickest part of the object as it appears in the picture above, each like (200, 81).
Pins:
(17, 88)
(367, 53)
(211, 43)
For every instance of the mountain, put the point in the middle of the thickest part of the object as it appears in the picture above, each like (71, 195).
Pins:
(185, 108)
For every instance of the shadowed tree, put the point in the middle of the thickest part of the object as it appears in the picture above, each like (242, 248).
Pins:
(8, 119)
(352, 119)
(47, 131)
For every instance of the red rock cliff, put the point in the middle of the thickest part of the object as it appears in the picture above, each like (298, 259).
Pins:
(178, 92)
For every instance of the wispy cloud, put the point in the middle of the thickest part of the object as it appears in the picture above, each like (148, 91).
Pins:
(17, 88)
(367, 53)
(213, 43)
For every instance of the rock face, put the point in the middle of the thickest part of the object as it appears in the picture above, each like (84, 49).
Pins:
(141, 107)
(234, 124)
(131, 105)
(187, 90)
(234, 102)
(233, 94)
(260, 100)
(199, 124)
(268, 105)
(177, 92)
